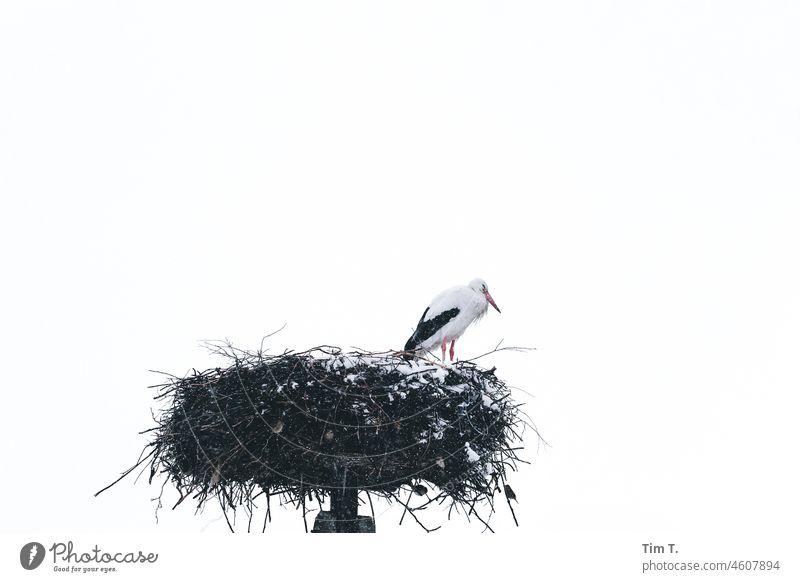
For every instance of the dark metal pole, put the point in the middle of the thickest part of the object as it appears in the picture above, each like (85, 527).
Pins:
(343, 514)
(344, 507)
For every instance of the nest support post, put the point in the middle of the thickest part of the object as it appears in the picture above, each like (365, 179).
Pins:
(343, 515)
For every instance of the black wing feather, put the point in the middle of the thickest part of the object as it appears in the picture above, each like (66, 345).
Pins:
(426, 329)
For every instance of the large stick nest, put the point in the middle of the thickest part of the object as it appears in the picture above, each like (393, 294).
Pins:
(300, 424)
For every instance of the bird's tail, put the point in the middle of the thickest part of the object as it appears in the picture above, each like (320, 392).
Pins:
(409, 350)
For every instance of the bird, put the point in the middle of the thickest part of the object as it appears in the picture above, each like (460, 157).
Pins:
(449, 314)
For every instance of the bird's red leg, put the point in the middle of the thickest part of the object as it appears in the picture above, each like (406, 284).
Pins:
(444, 347)
(452, 349)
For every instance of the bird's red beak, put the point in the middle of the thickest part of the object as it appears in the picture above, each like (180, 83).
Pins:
(490, 300)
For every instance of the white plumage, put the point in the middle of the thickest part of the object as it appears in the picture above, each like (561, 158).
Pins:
(449, 315)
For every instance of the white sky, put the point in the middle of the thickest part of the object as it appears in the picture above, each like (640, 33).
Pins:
(623, 174)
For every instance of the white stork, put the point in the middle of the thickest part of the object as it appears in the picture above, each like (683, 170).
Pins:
(449, 315)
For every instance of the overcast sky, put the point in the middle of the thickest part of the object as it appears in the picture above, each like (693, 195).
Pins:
(624, 176)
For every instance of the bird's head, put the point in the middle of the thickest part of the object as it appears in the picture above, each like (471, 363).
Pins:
(479, 286)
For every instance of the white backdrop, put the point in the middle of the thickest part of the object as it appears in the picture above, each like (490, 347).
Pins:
(623, 174)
